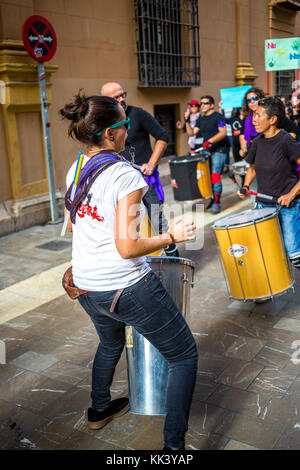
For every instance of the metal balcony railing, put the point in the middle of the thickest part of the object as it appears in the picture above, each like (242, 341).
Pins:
(168, 46)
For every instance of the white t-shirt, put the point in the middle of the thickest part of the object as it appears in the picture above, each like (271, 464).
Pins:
(96, 262)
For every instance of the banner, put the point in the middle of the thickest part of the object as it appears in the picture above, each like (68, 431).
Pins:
(282, 54)
(233, 97)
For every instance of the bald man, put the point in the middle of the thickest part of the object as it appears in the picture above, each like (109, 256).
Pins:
(142, 126)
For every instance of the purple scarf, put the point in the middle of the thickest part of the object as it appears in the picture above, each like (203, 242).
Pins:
(249, 129)
(154, 179)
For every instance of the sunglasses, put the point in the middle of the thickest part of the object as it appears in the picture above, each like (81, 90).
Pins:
(254, 98)
(122, 95)
(204, 102)
(117, 124)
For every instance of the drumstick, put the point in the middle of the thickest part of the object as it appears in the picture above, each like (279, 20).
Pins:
(75, 182)
(247, 191)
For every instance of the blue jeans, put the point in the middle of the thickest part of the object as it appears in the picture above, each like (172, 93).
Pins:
(290, 223)
(148, 307)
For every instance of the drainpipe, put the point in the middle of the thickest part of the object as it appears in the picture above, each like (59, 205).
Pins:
(270, 21)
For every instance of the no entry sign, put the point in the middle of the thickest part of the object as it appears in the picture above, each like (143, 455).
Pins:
(39, 38)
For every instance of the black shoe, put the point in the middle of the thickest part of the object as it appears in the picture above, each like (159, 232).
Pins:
(171, 250)
(116, 408)
(209, 204)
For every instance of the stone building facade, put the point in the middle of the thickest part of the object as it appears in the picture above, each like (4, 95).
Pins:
(219, 44)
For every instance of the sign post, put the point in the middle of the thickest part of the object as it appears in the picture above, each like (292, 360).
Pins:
(40, 42)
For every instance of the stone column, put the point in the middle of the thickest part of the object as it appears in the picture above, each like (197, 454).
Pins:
(245, 74)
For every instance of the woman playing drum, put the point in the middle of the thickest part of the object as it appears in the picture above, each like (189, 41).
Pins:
(109, 265)
(273, 158)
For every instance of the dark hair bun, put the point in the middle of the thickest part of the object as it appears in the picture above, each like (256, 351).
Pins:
(77, 109)
(88, 115)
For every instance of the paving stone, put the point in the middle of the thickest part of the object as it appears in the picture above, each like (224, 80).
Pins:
(46, 437)
(69, 408)
(64, 371)
(32, 391)
(16, 424)
(293, 393)
(290, 439)
(205, 416)
(238, 400)
(275, 382)
(281, 411)
(249, 430)
(34, 361)
(235, 445)
(151, 437)
(8, 372)
(274, 354)
(289, 324)
(124, 430)
(197, 439)
(80, 441)
(245, 348)
(240, 374)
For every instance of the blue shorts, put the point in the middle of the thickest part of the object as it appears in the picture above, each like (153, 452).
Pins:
(290, 223)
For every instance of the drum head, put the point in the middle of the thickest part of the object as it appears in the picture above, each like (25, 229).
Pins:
(247, 217)
(240, 164)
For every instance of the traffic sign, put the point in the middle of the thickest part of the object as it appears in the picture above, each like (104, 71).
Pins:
(39, 38)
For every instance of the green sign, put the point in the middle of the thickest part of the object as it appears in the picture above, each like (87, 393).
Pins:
(282, 54)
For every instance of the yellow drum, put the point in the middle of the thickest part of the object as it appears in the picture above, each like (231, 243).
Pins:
(253, 254)
(148, 231)
(204, 179)
(190, 177)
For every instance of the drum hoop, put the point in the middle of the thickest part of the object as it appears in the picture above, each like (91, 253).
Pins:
(178, 160)
(171, 259)
(250, 222)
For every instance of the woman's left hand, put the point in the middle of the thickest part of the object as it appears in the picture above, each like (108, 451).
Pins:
(286, 199)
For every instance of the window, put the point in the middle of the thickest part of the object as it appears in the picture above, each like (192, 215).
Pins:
(285, 83)
(167, 34)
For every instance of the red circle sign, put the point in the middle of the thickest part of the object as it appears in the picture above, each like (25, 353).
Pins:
(39, 38)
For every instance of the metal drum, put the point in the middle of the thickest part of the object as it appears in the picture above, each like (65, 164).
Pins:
(253, 254)
(240, 169)
(190, 177)
(147, 370)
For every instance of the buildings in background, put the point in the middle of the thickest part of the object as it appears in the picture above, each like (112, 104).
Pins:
(163, 52)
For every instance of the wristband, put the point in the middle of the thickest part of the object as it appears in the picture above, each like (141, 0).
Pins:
(245, 186)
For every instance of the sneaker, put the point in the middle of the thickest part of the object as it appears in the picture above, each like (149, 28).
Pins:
(214, 209)
(116, 408)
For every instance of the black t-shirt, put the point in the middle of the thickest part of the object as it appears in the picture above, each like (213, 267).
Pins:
(237, 126)
(274, 161)
(209, 126)
(142, 125)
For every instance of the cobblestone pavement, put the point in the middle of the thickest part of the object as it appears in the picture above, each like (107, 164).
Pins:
(247, 395)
